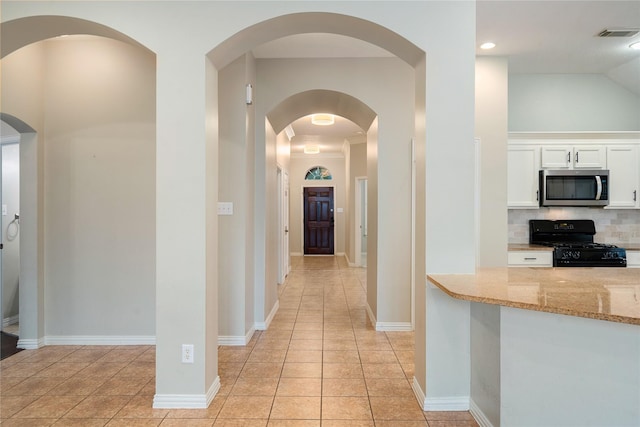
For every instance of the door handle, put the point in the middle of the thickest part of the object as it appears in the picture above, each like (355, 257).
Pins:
(286, 229)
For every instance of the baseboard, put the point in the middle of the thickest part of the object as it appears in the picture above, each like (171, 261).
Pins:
(479, 416)
(439, 403)
(236, 340)
(187, 401)
(263, 326)
(30, 344)
(372, 317)
(8, 321)
(394, 327)
(453, 403)
(100, 340)
(418, 392)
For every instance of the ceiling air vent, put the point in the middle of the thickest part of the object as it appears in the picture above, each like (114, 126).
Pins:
(618, 33)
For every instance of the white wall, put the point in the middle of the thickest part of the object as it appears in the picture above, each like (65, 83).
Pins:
(99, 167)
(571, 102)
(236, 307)
(491, 128)
(10, 231)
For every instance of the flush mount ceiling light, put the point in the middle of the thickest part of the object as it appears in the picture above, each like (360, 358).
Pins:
(322, 119)
(487, 45)
(311, 149)
(635, 46)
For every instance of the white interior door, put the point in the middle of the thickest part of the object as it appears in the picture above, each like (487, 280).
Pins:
(285, 221)
(361, 222)
(283, 227)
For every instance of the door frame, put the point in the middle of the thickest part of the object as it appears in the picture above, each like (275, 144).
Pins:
(358, 219)
(10, 140)
(284, 266)
(306, 184)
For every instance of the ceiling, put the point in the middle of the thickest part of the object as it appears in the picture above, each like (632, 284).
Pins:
(537, 37)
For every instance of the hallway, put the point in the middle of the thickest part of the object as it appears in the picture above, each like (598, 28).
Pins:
(321, 360)
(319, 363)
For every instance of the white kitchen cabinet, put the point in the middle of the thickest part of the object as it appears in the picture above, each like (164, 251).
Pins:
(633, 259)
(624, 176)
(530, 258)
(523, 164)
(573, 157)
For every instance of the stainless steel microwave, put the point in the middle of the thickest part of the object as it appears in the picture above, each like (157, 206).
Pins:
(575, 187)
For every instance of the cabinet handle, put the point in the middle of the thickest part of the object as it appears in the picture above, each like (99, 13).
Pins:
(635, 193)
(577, 154)
(538, 195)
(530, 258)
(568, 157)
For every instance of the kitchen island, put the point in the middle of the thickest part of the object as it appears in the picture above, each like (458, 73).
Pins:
(551, 346)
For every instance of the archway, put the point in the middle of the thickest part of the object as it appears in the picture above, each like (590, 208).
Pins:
(31, 310)
(86, 163)
(233, 54)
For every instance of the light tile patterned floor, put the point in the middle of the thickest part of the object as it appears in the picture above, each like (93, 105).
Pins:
(319, 364)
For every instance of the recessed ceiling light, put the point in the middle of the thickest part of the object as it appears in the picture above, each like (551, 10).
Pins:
(311, 149)
(322, 119)
(635, 46)
(487, 45)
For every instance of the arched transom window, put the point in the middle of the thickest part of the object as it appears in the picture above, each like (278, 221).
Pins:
(318, 173)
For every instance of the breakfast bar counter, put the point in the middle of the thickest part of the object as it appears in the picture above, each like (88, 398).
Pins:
(538, 346)
(611, 294)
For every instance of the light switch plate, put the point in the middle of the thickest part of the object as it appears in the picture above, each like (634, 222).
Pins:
(225, 208)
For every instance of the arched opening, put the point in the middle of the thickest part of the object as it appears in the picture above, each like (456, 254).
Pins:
(90, 97)
(274, 98)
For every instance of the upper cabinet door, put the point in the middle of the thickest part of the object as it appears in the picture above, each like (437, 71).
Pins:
(523, 163)
(557, 157)
(589, 157)
(624, 179)
(574, 157)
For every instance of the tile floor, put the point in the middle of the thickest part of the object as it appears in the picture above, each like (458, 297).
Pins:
(319, 364)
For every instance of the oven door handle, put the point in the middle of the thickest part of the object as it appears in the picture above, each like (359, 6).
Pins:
(598, 187)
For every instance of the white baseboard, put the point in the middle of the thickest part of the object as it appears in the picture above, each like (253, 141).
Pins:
(479, 416)
(236, 340)
(372, 317)
(453, 403)
(388, 326)
(418, 392)
(8, 321)
(187, 401)
(394, 327)
(263, 326)
(30, 344)
(100, 340)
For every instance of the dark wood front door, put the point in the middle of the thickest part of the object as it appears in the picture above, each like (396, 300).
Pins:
(318, 221)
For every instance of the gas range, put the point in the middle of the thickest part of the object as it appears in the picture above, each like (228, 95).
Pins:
(573, 245)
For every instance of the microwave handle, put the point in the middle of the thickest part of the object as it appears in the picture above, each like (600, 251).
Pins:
(599, 187)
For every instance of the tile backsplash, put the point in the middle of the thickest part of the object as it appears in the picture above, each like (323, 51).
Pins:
(614, 226)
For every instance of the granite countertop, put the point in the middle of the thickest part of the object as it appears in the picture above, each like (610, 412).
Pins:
(611, 294)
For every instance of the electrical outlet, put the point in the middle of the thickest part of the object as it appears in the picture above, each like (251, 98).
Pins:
(187, 353)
